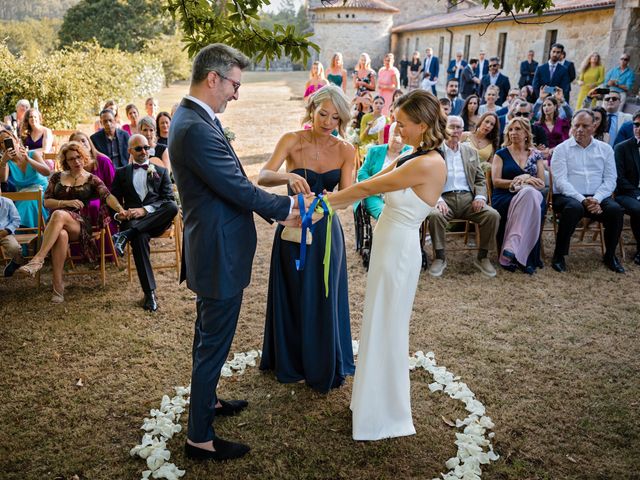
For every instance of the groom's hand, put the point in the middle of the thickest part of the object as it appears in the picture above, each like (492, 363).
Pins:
(293, 220)
(308, 200)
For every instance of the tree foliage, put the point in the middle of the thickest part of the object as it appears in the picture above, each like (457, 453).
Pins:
(169, 49)
(72, 83)
(512, 7)
(127, 24)
(30, 38)
(36, 9)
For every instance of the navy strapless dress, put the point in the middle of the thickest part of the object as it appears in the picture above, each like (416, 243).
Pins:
(307, 335)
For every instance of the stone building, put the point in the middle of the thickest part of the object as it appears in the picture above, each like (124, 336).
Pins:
(583, 26)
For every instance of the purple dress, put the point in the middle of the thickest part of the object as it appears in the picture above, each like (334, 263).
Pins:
(33, 144)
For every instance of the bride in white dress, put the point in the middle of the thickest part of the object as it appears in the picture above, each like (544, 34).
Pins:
(380, 401)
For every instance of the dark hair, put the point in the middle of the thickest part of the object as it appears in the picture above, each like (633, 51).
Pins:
(217, 57)
(107, 110)
(555, 112)
(452, 80)
(636, 115)
(559, 46)
(495, 59)
(465, 110)
(494, 135)
(586, 111)
(378, 97)
(602, 128)
(158, 117)
(423, 107)
(444, 101)
(473, 60)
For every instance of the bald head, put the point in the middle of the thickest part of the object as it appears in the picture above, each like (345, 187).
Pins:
(139, 148)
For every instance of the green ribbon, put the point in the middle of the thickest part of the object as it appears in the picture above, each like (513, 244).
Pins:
(325, 207)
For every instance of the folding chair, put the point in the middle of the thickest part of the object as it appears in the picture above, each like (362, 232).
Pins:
(102, 236)
(26, 235)
(59, 137)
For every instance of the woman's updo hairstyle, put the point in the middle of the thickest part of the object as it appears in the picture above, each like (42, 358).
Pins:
(423, 107)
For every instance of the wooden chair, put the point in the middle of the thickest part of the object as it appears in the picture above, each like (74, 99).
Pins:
(173, 232)
(26, 235)
(60, 137)
(102, 236)
(51, 157)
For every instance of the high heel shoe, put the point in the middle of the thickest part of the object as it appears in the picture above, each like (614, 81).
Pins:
(57, 297)
(30, 269)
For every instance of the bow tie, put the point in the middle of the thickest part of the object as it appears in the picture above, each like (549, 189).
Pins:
(140, 165)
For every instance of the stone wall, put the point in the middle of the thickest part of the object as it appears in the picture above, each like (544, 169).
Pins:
(580, 32)
(354, 32)
(412, 10)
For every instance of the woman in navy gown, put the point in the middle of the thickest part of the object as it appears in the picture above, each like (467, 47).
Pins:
(307, 330)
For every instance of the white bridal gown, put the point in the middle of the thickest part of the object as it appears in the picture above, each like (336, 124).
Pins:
(380, 401)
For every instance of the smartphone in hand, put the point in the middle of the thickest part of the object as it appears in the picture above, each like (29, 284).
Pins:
(8, 143)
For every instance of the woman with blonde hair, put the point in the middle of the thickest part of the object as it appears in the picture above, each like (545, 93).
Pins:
(67, 196)
(591, 75)
(307, 334)
(364, 78)
(381, 401)
(517, 172)
(490, 99)
(316, 79)
(336, 74)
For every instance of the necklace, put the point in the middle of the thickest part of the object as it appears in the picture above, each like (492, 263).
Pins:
(75, 180)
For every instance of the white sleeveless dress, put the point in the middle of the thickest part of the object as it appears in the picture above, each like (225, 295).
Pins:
(380, 401)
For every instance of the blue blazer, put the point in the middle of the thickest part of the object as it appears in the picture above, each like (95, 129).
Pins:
(560, 79)
(99, 140)
(434, 66)
(218, 202)
(502, 83)
(527, 71)
(450, 73)
(456, 106)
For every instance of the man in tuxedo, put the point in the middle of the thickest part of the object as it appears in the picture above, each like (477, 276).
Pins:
(111, 141)
(456, 65)
(527, 70)
(584, 177)
(615, 118)
(552, 73)
(145, 190)
(431, 66)
(495, 77)
(469, 80)
(482, 68)
(464, 197)
(218, 202)
(627, 155)
(452, 94)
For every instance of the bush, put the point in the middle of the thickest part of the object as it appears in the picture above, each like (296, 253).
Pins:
(72, 83)
(169, 49)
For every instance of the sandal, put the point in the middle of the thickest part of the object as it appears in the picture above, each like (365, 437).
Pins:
(57, 297)
(30, 269)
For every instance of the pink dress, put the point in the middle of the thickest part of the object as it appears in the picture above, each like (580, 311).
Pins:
(387, 77)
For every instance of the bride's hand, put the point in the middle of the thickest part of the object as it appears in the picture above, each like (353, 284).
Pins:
(298, 184)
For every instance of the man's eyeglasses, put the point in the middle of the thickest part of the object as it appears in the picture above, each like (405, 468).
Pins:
(624, 59)
(521, 114)
(612, 99)
(138, 149)
(236, 85)
(636, 124)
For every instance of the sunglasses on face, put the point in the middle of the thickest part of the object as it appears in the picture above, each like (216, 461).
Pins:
(624, 59)
(493, 65)
(138, 149)
(521, 114)
(636, 124)
(611, 99)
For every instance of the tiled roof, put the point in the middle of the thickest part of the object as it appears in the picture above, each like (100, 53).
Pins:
(475, 15)
(357, 4)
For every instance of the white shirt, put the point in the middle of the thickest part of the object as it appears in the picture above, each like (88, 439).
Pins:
(456, 176)
(140, 185)
(581, 171)
(493, 78)
(388, 159)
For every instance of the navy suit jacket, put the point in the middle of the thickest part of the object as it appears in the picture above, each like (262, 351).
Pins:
(502, 83)
(628, 168)
(527, 72)
(485, 68)
(99, 140)
(434, 66)
(218, 202)
(560, 79)
(159, 188)
(625, 132)
(450, 73)
(456, 106)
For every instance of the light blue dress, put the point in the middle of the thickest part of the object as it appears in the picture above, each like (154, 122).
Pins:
(30, 180)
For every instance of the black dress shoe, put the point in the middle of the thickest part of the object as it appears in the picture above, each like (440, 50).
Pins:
(614, 264)
(119, 243)
(636, 259)
(150, 301)
(231, 407)
(224, 451)
(558, 264)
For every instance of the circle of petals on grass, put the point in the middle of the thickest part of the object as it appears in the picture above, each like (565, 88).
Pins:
(474, 443)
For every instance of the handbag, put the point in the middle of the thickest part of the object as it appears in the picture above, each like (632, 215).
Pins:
(294, 234)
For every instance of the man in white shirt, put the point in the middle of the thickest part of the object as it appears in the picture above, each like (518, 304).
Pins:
(464, 197)
(584, 178)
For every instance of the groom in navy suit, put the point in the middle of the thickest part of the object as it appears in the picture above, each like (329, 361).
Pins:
(218, 202)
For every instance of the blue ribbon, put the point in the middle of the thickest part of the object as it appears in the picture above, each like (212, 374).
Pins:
(307, 224)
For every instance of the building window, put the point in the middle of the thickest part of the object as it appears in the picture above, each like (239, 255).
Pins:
(441, 48)
(549, 39)
(338, 15)
(502, 46)
(406, 48)
(467, 45)
(417, 49)
(353, 15)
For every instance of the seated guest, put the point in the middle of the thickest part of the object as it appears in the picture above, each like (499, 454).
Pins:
(377, 159)
(600, 126)
(464, 197)
(374, 120)
(445, 103)
(556, 129)
(67, 196)
(627, 158)
(108, 105)
(147, 193)
(517, 172)
(100, 165)
(486, 139)
(163, 123)
(9, 222)
(111, 140)
(468, 80)
(469, 113)
(512, 96)
(133, 115)
(151, 106)
(16, 118)
(490, 98)
(584, 177)
(625, 132)
(25, 171)
(33, 134)
(564, 109)
(615, 119)
(452, 95)
(523, 109)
